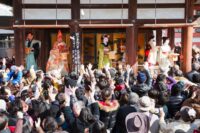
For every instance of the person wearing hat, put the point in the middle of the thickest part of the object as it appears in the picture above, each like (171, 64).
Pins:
(187, 122)
(123, 111)
(144, 82)
(143, 121)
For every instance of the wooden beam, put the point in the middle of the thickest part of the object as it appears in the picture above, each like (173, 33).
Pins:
(6, 22)
(96, 6)
(102, 21)
(41, 26)
(105, 25)
(166, 25)
(46, 6)
(163, 5)
(47, 22)
(160, 21)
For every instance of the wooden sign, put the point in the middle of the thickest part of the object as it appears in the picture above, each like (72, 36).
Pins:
(76, 60)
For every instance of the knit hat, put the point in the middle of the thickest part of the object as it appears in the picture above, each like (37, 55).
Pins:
(141, 77)
(11, 98)
(3, 105)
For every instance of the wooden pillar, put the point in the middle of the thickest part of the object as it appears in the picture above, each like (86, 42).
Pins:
(131, 46)
(19, 46)
(171, 36)
(187, 35)
(18, 33)
(132, 11)
(75, 9)
(189, 8)
(158, 37)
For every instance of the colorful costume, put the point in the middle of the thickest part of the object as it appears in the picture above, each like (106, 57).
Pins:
(152, 57)
(164, 52)
(32, 51)
(104, 52)
(58, 56)
(103, 56)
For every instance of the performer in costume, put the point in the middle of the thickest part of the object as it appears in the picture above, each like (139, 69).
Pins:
(32, 49)
(152, 57)
(164, 52)
(58, 56)
(103, 52)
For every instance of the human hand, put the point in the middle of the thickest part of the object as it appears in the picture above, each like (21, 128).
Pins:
(162, 113)
(128, 68)
(120, 67)
(112, 84)
(4, 61)
(194, 94)
(89, 66)
(92, 86)
(106, 67)
(146, 66)
(37, 123)
(20, 115)
(82, 69)
(71, 90)
(92, 91)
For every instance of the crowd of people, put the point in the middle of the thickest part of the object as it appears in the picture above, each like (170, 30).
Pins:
(114, 100)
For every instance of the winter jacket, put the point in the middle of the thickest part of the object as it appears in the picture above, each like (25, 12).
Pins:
(141, 89)
(174, 104)
(191, 74)
(108, 112)
(76, 125)
(123, 111)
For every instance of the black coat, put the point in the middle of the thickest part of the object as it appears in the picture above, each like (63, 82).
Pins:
(141, 89)
(191, 74)
(174, 104)
(123, 111)
(76, 125)
(108, 113)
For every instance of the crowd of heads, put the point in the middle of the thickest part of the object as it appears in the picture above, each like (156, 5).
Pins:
(116, 100)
